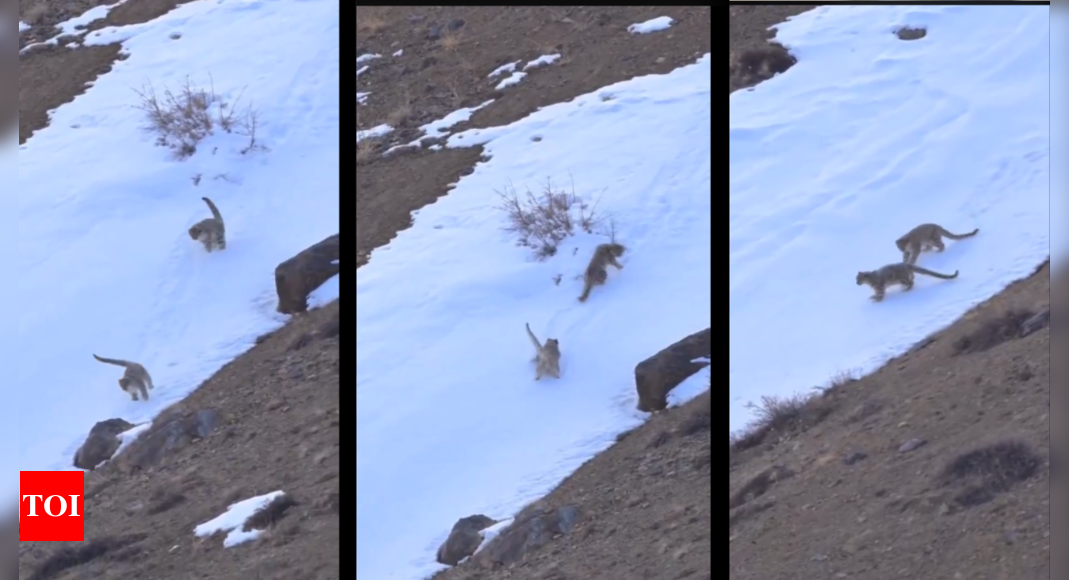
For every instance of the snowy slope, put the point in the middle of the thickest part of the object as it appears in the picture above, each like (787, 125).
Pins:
(104, 262)
(9, 344)
(450, 421)
(1059, 93)
(865, 138)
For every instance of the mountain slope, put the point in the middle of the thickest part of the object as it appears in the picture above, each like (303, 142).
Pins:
(103, 242)
(444, 393)
(863, 139)
(103, 214)
(935, 465)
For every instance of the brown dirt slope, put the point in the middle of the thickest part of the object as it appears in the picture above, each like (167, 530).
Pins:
(645, 503)
(935, 466)
(279, 407)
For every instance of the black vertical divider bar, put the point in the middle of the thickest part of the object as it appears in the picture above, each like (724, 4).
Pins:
(720, 19)
(347, 230)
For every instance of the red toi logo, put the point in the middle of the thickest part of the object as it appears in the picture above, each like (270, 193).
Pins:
(52, 506)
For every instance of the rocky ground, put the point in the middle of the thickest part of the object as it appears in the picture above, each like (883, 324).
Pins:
(267, 421)
(935, 466)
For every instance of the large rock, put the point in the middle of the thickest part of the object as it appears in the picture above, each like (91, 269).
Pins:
(527, 535)
(298, 276)
(656, 376)
(101, 444)
(167, 435)
(464, 539)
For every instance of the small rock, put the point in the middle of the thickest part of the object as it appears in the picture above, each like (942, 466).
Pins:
(1035, 323)
(854, 457)
(912, 445)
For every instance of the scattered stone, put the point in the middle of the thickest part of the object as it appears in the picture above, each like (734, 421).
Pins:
(909, 33)
(101, 443)
(526, 536)
(464, 539)
(855, 457)
(912, 444)
(167, 435)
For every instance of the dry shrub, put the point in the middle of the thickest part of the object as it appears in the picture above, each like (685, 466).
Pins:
(181, 119)
(35, 13)
(369, 21)
(1003, 326)
(782, 417)
(987, 471)
(400, 115)
(544, 220)
(365, 150)
(451, 41)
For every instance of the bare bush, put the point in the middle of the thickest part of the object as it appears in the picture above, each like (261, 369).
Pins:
(544, 220)
(182, 119)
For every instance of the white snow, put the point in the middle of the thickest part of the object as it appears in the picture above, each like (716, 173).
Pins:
(436, 128)
(505, 68)
(863, 139)
(543, 60)
(450, 420)
(492, 532)
(1059, 89)
(512, 79)
(234, 518)
(105, 264)
(366, 57)
(131, 435)
(653, 25)
(377, 131)
(75, 26)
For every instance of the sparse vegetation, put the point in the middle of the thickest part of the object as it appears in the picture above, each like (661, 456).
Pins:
(752, 66)
(35, 13)
(543, 221)
(365, 150)
(369, 21)
(987, 471)
(788, 416)
(451, 41)
(69, 556)
(1002, 327)
(401, 114)
(182, 119)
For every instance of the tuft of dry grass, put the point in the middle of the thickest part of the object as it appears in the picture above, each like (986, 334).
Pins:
(369, 21)
(451, 41)
(181, 119)
(35, 13)
(401, 114)
(544, 220)
(365, 150)
(782, 417)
